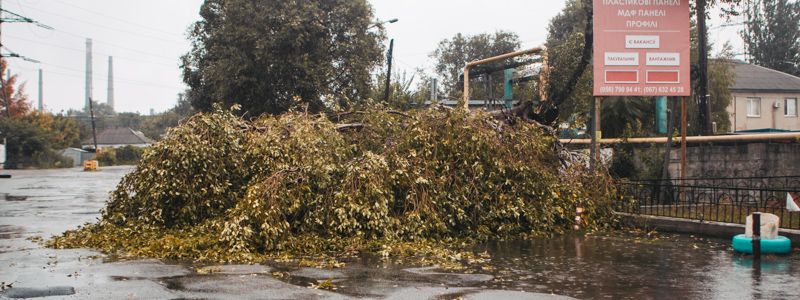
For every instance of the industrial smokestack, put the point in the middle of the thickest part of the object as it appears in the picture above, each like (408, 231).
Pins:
(41, 95)
(110, 100)
(88, 72)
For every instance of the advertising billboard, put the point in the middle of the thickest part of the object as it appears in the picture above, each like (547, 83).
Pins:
(641, 48)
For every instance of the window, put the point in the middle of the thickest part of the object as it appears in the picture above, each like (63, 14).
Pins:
(754, 107)
(790, 107)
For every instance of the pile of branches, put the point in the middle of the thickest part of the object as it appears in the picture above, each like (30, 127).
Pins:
(220, 188)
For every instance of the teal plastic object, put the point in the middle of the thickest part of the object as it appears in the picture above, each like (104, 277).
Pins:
(508, 88)
(744, 244)
(661, 115)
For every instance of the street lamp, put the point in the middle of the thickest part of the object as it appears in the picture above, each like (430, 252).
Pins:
(379, 23)
(387, 89)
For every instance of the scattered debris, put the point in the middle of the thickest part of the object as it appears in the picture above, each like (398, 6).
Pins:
(324, 285)
(208, 270)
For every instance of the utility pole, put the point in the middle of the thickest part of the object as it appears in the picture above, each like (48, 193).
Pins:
(110, 95)
(13, 17)
(41, 92)
(388, 88)
(2, 81)
(702, 47)
(3, 84)
(94, 127)
(89, 76)
(1, 28)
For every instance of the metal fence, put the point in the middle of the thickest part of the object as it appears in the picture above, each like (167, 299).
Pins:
(728, 200)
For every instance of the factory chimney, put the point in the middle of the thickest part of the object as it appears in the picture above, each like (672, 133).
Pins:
(88, 72)
(110, 100)
(41, 95)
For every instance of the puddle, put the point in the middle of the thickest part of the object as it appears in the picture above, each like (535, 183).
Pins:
(8, 197)
(26, 293)
(8, 232)
(43, 187)
(615, 266)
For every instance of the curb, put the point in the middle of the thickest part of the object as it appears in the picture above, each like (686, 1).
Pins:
(706, 228)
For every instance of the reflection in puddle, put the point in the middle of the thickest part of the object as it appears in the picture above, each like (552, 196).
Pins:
(8, 232)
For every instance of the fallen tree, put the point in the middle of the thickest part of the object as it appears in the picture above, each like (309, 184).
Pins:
(219, 188)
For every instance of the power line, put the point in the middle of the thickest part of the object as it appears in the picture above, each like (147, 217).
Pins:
(134, 81)
(17, 18)
(81, 37)
(83, 50)
(80, 77)
(98, 25)
(118, 19)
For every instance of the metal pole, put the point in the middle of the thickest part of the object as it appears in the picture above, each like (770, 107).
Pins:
(466, 86)
(756, 236)
(1, 27)
(470, 65)
(693, 139)
(594, 140)
(597, 133)
(94, 128)
(490, 92)
(388, 90)
(508, 88)
(668, 149)
(683, 137)
(702, 47)
(661, 115)
(2, 82)
(41, 92)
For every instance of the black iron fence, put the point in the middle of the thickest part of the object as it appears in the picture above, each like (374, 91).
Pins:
(728, 200)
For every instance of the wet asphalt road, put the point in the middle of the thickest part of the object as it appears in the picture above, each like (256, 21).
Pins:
(611, 266)
(43, 203)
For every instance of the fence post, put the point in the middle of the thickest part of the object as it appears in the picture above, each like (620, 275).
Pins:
(757, 236)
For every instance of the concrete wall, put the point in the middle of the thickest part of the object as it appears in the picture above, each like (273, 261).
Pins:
(740, 160)
(117, 146)
(771, 117)
(686, 226)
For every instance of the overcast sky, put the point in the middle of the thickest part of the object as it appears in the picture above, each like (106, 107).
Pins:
(146, 38)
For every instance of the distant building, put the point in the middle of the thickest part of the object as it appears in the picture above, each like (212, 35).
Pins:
(2, 155)
(118, 137)
(78, 156)
(764, 99)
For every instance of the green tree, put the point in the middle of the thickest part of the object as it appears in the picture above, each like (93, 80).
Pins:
(271, 56)
(721, 78)
(772, 34)
(63, 132)
(156, 126)
(565, 44)
(452, 54)
(29, 145)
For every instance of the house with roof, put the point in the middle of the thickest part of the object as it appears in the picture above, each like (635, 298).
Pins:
(763, 99)
(118, 137)
(78, 156)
